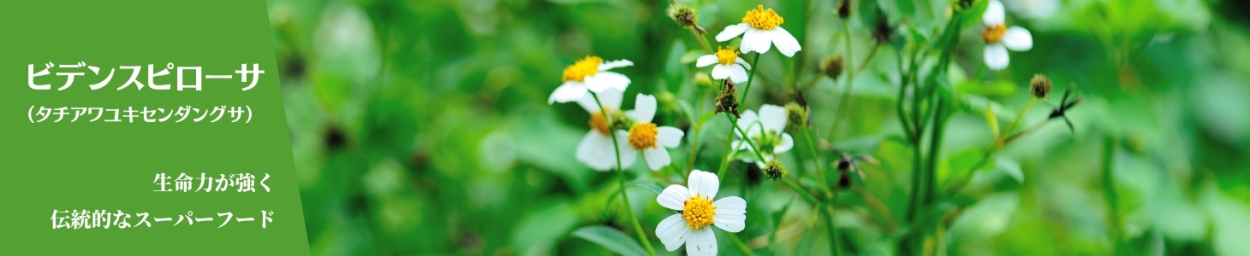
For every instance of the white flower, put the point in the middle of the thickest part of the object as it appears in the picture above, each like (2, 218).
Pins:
(596, 148)
(646, 138)
(760, 30)
(698, 212)
(766, 131)
(589, 73)
(998, 38)
(728, 65)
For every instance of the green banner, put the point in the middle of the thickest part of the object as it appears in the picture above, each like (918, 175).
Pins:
(144, 127)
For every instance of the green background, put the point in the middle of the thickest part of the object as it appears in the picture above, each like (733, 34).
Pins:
(111, 166)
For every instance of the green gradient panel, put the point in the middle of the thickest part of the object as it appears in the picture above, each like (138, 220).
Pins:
(111, 166)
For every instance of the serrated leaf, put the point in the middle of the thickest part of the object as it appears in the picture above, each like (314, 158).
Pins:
(612, 239)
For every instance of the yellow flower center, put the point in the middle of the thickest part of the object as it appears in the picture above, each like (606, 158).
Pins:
(642, 135)
(726, 55)
(582, 68)
(698, 212)
(763, 19)
(994, 34)
(599, 122)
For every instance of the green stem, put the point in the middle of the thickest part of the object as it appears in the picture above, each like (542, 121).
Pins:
(1018, 117)
(750, 78)
(845, 103)
(702, 40)
(834, 241)
(1108, 190)
(741, 246)
(935, 148)
(802, 193)
(620, 175)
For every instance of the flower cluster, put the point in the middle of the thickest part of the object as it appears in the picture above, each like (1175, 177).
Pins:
(617, 138)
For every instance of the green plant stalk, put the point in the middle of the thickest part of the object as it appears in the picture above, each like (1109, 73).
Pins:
(802, 193)
(1108, 190)
(845, 102)
(620, 178)
(702, 40)
(1017, 120)
(903, 78)
(750, 78)
(738, 242)
(935, 148)
(834, 241)
(811, 146)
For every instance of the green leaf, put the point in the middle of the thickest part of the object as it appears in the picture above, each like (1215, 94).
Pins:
(675, 71)
(1000, 88)
(691, 56)
(984, 220)
(973, 17)
(868, 12)
(651, 187)
(612, 239)
(960, 165)
(1009, 167)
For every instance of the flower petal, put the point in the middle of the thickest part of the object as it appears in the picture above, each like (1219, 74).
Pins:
(1018, 39)
(773, 117)
(731, 214)
(706, 60)
(615, 64)
(606, 79)
(669, 137)
(657, 158)
(569, 91)
(737, 73)
(720, 72)
(760, 41)
(628, 154)
(672, 231)
(786, 43)
(701, 242)
(596, 151)
(611, 99)
(996, 57)
(742, 62)
(748, 118)
(786, 144)
(994, 13)
(644, 108)
(731, 32)
(674, 197)
(704, 184)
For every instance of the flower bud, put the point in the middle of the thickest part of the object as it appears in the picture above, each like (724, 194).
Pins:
(702, 79)
(1039, 86)
(774, 169)
(796, 116)
(832, 66)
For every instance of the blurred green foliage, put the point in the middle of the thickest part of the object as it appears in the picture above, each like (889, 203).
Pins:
(421, 127)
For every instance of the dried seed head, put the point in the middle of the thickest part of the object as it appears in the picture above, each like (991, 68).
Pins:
(726, 101)
(774, 169)
(844, 9)
(832, 66)
(796, 116)
(1039, 86)
(683, 14)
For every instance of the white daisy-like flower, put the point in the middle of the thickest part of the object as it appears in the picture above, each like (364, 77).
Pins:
(767, 131)
(998, 37)
(592, 74)
(760, 30)
(647, 138)
(728, 65)
(692, 226)
(596, 149)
